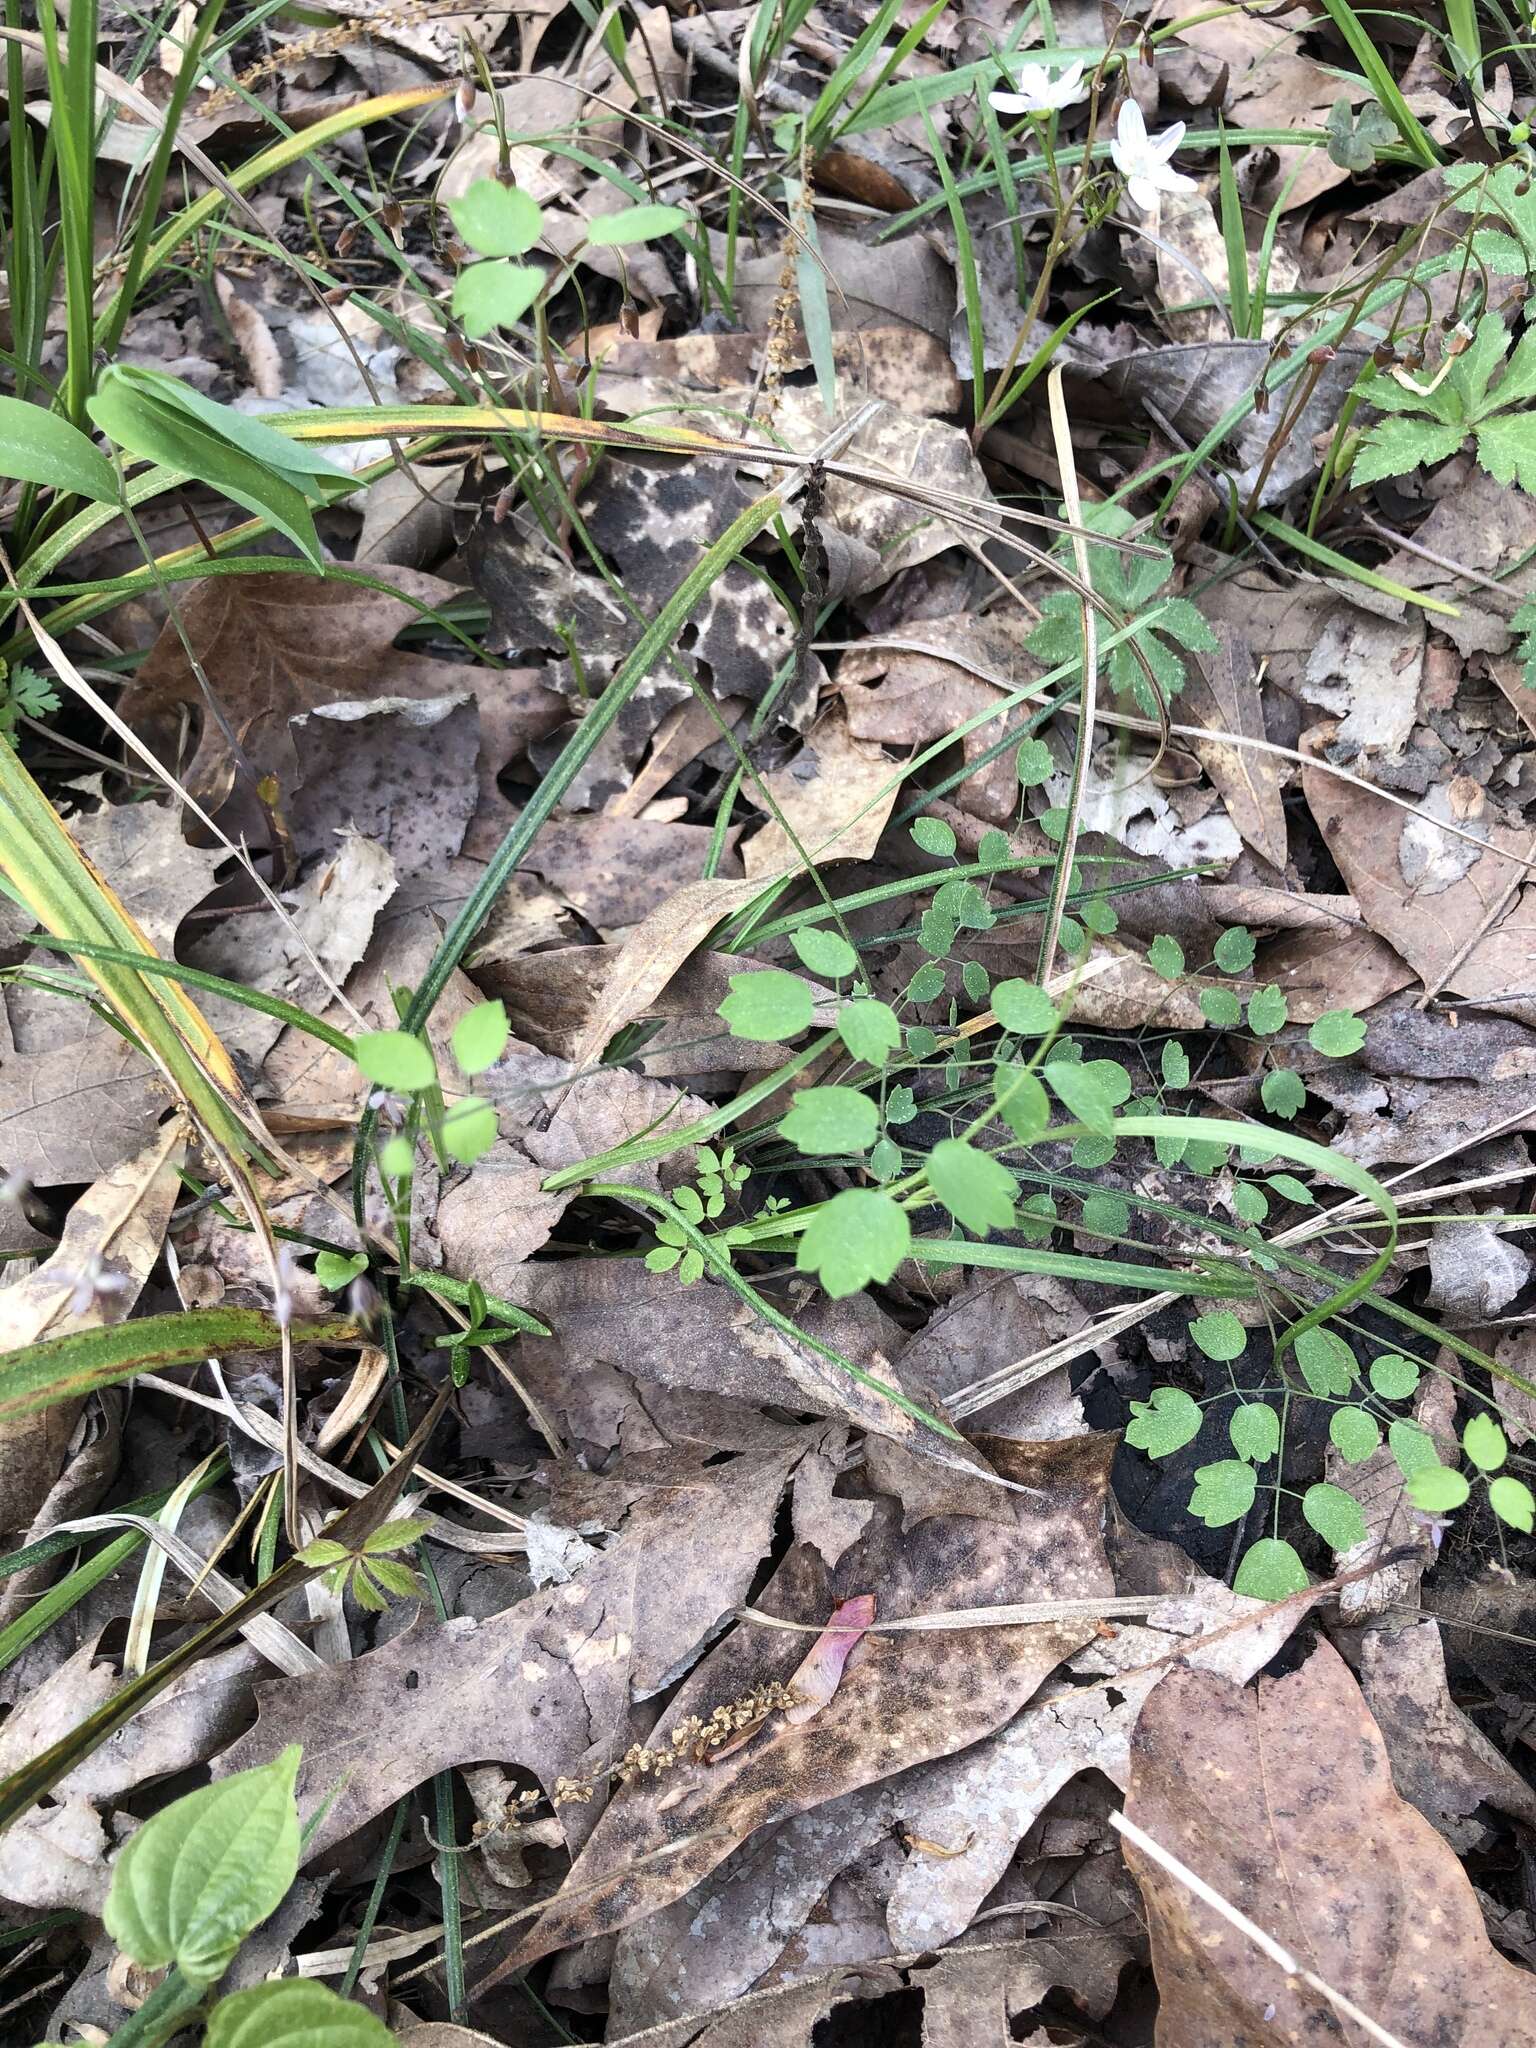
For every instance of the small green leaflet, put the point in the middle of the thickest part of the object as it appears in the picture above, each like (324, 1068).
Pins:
(1484, 1443)
(1033, 764)
(1354, 1433)
(195, 1879)
(1223, 1492)
(497, 219)
(927, 985)
(395, 1060)
(1255, 1431)
(1394, 1378)
(480, 1037)
(1174, 1061)
(1163, 1424)
(335, 1272)
(1106, 1215)
(1220, 1335)
(870, 1030)
(1165, 956)
(1412, 1446)
(1290, 1189)
(37, 447)
(1084, 1092)
(825, 953)
(1437, 1488)
(768, 1005)
(293, 2012)
(1336, 1034)
(1022, 1007)
(1267, 1011)
(1335, 1515)
(1249, 1204)
(1270, 1570)
(934, 836)
(1283, 1093)
(822, 1120)
(1326, 1361)
(1220, 1007)
(494, 294)
(635, 224)
(1021, 1102)
(468, 1129)
(1234, 950)
(1512, 1501)
(976, 1189)
(860, 1236)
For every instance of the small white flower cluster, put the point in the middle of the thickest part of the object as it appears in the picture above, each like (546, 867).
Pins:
(1143, 160)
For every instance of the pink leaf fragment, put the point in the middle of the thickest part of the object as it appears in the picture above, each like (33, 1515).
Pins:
(821, 1673)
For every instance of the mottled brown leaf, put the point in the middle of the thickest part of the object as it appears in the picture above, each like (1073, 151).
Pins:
(1285, 1804)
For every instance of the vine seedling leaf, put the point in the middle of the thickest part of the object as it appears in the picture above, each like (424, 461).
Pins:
(293, 2012)
(194, 1880)
(396, 1060)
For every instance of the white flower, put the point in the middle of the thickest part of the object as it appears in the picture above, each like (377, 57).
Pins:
(1143, 159)
(1038, 94)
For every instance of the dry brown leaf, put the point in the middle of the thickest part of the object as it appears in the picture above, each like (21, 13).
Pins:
(1442, 1763)
(1461, 919)
(111, 1240)
(278, 646)
(1226, 699)
(1000, 1787)
(835, 797)
(896, 1705)
(1285, 1806)
(547, 1684)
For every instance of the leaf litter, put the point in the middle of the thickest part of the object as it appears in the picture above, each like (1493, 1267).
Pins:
(893, 1558)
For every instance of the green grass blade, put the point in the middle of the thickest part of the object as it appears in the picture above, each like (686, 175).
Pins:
(1382, 83)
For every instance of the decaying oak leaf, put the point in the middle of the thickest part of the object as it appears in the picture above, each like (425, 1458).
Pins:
(1441, 1761)
(705, 1337)
(1224, 698)
(897, 1702)
(1460, 917)
(275, 647)
(1284, 1803)
(547, 1684)
(834, 796)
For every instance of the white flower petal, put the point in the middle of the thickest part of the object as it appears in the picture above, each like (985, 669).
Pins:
(1175, 181)
(1131, 129)
(1142, 193)
(1165, 144)
(1013, 103)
